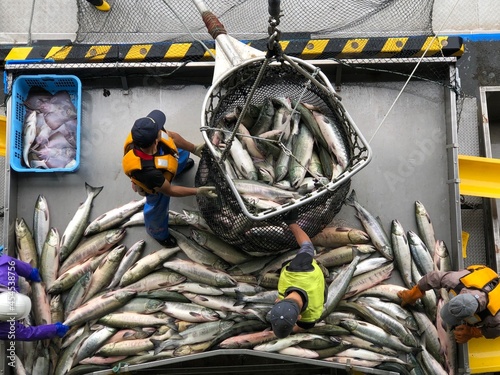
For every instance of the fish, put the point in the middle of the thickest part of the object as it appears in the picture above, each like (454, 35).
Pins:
(369, 355)
(99, 306)
(41, 304)
(190, 312)
(265, 120)
(338, 287)
(114, 217)
(229, 253)
(94, 245)
(369, 264)
(25, 243)
(49, 260)
(198, 253)
(131, 319)
(302, 150)
(344, 254)
(196, 334)
(442, 259)
(332, 138)
(102, 275)
(375, 334)
(41, 223)
(76, 293)
(339, 236)
(242, 160)
(135, 220)
(420, 253)
(248, 142)
(131, 347)
(200, 273)
(291, 340)
(142, 305)
(29, 135)
(76, 227)
(402, 252)
(93, 342)
(66, 358)
(425, 227)
(368, 279)
(372, 226)
(264, 191)
(146, 265)
(156, 280)
(130, 257)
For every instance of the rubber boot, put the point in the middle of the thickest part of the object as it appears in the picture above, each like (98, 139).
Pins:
(104, 7)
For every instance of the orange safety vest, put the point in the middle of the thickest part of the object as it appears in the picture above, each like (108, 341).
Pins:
(167, 163)
(479, 277)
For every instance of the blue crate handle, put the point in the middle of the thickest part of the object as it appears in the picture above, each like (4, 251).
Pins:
(27, 61)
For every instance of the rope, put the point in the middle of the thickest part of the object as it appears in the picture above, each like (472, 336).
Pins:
(31, 21)
(411, 75)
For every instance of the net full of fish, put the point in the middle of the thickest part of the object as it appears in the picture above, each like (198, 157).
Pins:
(49, 130)
(125, 306)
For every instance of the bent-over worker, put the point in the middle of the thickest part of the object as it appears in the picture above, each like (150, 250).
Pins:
(472, 310)
(301, 287)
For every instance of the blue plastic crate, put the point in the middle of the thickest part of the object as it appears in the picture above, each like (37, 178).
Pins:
(20, 91)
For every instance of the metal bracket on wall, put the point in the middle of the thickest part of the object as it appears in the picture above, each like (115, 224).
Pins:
(338, 77)
(124, 85)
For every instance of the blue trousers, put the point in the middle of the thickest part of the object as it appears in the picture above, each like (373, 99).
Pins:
(157, 206)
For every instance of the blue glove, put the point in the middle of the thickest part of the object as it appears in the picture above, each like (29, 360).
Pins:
(35, 275)
(61, 329)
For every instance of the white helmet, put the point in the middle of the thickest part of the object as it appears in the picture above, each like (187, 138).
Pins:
(14, 305)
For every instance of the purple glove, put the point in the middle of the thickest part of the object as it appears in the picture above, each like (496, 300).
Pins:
(35, 275)
(61, 329)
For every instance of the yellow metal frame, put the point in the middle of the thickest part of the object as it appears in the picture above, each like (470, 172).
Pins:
(3, 132)
(483, 355)
(479, 176)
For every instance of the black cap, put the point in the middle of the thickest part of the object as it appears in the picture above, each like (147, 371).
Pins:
(145, 130)
(283, 317)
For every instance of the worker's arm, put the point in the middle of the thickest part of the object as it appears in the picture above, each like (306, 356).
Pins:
(19, 332)
(180, 142)
(298, 232)
(184, 191)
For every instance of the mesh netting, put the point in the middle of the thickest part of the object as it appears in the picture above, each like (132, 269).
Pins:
(132, 21)
(225, 215)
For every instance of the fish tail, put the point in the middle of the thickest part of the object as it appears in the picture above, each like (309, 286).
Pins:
(239, 298)
(159, 345)
(351, 199)
(93, 190)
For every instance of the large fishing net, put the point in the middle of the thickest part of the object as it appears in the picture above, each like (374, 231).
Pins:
(226, 214)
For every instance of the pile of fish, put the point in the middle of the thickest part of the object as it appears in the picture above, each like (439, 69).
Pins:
(288, 146)
(125, 307)
(49, 130)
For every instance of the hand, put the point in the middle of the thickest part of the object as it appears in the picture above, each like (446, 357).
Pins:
(410, 296)
(35, 275)
(291, 216)
(198, 149)
(207, 191)
(464, 333)
(61, 329)
(138, 190)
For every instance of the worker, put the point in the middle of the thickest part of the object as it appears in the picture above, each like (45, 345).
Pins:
(301, 287)
(15, 306)
(101, 5)
(152, 158)
(472, 310)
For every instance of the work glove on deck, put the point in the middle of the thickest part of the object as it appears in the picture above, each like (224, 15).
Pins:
(61, 329)
(291, 216)
(207, 191)
(35, 275)
(198, 149)
(410, 296)
(464, 333)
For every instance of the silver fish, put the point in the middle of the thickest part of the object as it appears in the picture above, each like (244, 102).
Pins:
(113, 217)
(402, 252)
(130, 257)
(75, 228)
(372, 227)
(41, 223)
(425, 227)
(29, 134)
